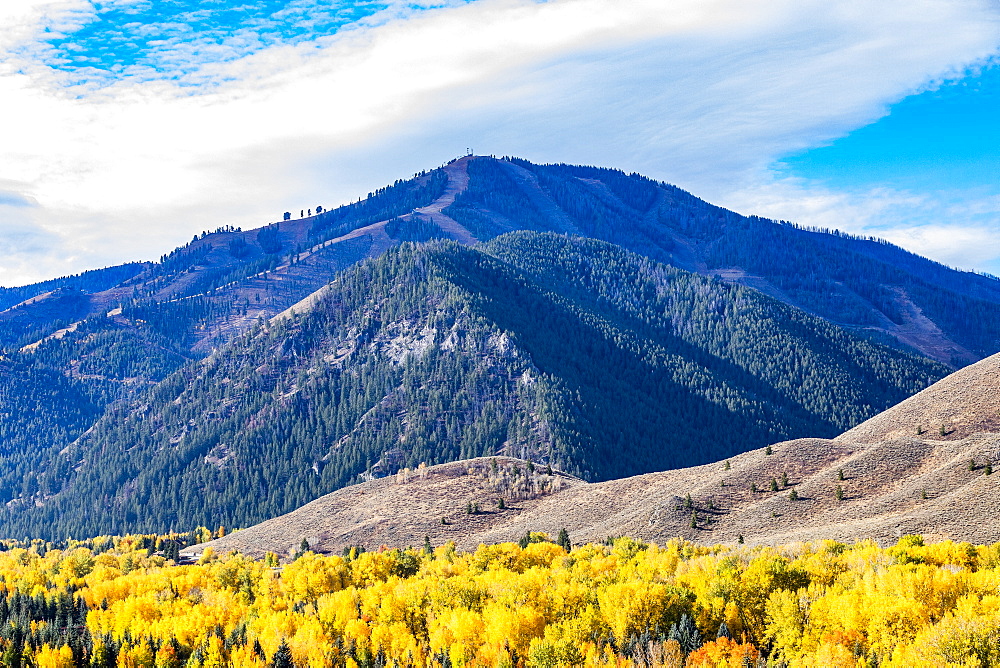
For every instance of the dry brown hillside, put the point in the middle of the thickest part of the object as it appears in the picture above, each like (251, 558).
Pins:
(966, 402)
(891, 481)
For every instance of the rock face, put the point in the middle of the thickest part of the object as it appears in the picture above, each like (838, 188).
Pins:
(891, 482)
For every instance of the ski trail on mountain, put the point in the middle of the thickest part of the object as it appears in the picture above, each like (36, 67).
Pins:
(458, 181)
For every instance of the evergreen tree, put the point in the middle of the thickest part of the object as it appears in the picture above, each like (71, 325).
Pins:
(563, 540)
(282, 657)
(686, 634)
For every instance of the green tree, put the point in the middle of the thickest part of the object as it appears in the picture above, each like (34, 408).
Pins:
(282, 657)
(563, 540)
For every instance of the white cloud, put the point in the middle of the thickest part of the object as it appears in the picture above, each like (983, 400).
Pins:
(702, 93)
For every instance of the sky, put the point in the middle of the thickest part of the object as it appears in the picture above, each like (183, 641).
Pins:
(127, 126)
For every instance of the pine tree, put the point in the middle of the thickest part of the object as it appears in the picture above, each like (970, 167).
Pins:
(563, 540)
(839, 493)
(282, 657)
(686, 634)
(768, 450)
(774, 485)
(258, 650)
(172, 551)
(793, 495)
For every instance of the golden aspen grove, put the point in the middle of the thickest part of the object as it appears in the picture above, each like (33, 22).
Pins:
(118, 602)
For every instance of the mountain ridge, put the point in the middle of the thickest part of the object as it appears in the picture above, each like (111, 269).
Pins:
(474, 197)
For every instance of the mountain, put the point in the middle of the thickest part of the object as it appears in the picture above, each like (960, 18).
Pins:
(565, 349)
(109, 361)
(893, 483)
(221, 283)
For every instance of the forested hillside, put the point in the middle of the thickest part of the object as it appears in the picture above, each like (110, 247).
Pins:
(563, 349)
(94, 280)
(867, 285)
(577, 352)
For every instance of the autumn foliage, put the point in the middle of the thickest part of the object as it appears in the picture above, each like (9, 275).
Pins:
(117, 603)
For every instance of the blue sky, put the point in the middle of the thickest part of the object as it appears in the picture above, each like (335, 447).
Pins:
(944, 138)
(130, 125)
(173, 39)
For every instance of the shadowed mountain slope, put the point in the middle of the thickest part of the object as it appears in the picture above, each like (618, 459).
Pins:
(897, 485)
(567, 350)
